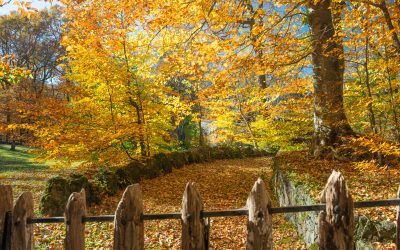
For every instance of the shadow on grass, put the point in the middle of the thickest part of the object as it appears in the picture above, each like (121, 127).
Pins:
(13, 167)
(19, 160)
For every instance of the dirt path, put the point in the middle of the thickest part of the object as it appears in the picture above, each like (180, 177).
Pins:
(223, 184)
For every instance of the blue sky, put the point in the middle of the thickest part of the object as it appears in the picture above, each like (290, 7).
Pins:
(35, 3)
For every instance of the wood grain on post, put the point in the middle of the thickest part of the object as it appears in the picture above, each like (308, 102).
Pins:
(128, 226)
(22, 232)
(398, 223)
(6, 203)
(259, 226)
(336, 223)
(193, 226)
(74, 212)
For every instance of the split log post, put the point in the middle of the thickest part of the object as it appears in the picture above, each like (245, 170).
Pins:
(398, 223)
(193, 226)
(22, 232)
(128, 225)
(6, 203)
(7, 232)
(336, 223)
(74, 212)
(259, 226)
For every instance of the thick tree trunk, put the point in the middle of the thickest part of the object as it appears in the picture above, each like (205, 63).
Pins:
(330, 122)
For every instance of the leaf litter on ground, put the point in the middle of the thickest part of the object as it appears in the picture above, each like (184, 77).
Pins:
(223, 184)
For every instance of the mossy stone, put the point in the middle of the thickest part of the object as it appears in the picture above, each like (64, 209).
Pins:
(177, 158)
(55, 196)
(162, 162)
(77, 182)
(129, 174)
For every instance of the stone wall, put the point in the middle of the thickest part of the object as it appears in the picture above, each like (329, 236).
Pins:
(107, 181)
(289, 193)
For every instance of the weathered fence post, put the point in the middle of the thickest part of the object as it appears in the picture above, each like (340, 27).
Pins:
(336, 223)
(6, 203)
(7, 230)
(128, 225)
(398, 222)
(74, 212)
(22, 232)
(193, 226)
(259, 226)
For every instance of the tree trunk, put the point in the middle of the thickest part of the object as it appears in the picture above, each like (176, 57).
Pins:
(389, 23)
(392, 98)
(372, 119)
(142, 143)
(330, 121)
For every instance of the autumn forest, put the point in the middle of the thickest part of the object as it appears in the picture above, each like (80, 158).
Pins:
(111, 82)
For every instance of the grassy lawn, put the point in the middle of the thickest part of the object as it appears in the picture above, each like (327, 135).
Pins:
(19, 169)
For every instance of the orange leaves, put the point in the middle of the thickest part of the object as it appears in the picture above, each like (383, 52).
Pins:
(375, 144)
(123, 108)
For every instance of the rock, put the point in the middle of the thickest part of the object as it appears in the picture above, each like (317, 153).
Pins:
(150, 170)
(205, 154)
(55, 196)
(129, 174)
(289, 194)
(177, 158)
(58, 190)
(386, 231)
(77, 182)
(365, 229)
(362, 245)
(162, 162)
(194, 157)
(369, 230)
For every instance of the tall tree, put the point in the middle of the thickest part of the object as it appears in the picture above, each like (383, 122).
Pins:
(32, 43)
(330, 121)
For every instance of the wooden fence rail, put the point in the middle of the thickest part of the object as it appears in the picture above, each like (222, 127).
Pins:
(336, 220)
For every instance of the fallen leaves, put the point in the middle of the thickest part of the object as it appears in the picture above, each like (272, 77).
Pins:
(223, 184)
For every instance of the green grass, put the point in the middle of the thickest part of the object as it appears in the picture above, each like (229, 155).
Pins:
(20, 170)
(18, 160)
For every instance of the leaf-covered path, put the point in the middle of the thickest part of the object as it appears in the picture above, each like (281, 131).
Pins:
(223, 184)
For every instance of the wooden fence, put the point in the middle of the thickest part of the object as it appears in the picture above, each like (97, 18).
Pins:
(336, 222)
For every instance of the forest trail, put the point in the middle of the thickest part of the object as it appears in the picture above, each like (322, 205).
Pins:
(223, 184)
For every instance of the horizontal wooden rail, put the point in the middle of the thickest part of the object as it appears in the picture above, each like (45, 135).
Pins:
(320, 207)
(161, 216)
(224, 213)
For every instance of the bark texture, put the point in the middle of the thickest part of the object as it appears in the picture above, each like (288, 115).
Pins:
(74, 211)
(336, 223)
(22, 232)
(259, 226)
(330, 121)
(128, 225)
(6, 205)
(193, 226)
